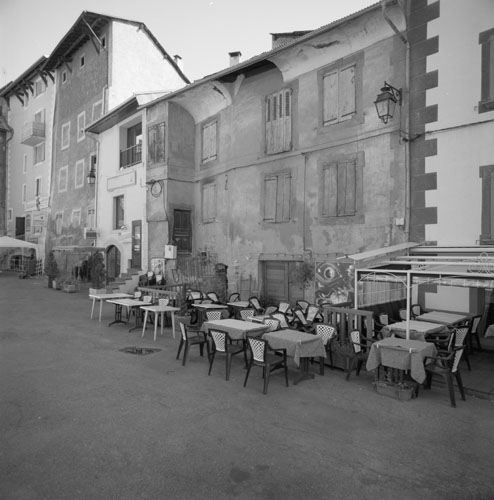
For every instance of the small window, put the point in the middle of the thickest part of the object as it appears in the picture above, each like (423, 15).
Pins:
(339, 184)
(339, 95)
(37, 187)
(83, 61)
(39, 153)
(486, 40)
(156, 143)
(76, 217)
(118, 212)
(182, 231)
(9, 215)
(64, 76)
(209, 202)
(58, 223)
(62, 179)
(97, 110)
(24, 164)
(277, 197)
(80, 167)
(65, 142)
(81, 125)
(24, 193)
(209, 145)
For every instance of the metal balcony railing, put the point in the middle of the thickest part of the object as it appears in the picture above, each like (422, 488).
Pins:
(33, 133)
(131, 156)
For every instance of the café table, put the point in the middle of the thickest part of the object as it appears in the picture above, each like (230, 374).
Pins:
(401, 354)
(202, 308)
(419, 330)
(301, 346)
(442, 317)
(129, 304)
(238, 306)
(158, 310)
(102, 297)
(237, 329)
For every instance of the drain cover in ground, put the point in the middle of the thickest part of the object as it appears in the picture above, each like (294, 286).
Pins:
(139, 350)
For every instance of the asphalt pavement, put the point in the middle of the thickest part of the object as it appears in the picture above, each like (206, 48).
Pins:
(80, 419)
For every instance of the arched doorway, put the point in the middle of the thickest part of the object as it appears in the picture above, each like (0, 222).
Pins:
(113, 261)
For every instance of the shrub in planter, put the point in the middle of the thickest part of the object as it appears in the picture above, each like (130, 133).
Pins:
(98, 272)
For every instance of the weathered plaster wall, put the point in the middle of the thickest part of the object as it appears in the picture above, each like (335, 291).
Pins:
(134, 53)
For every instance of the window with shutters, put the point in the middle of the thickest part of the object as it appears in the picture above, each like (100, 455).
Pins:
(341, 189)
(279, 122)
(65, 142)
(156, 143)
(209, 202)
(63, 175)
(80, 168)
(486, 41)
(39, 153)
(277, 197)
(182, 230)
(487, 217)
(339, 97)
(209, 141)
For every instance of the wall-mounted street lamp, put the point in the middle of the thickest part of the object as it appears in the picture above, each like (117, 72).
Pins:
(91, 177)
(386, 102)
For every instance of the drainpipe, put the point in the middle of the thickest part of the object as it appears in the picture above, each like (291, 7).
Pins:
(405, 102)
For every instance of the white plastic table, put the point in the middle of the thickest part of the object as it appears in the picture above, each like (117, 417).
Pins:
(159, 311)
(106, 296)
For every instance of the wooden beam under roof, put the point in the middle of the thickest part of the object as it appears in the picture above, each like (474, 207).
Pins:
(93, 36)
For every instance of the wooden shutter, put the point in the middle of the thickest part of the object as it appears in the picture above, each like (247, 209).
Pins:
(209, 142)
(283, 201)
(487, 217)
(330, 191)
(182, 230)
(350, 188)
(287, 120)
(209, 202)
(270, 189)
(152, 138)
(347, 93)
(330, 91)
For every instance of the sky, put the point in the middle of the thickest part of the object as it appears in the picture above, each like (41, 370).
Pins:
(202, 32)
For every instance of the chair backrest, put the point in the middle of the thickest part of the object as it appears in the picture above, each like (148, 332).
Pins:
(270, 310)
(473, 324)
(234, 297)
(220, 339)
(147, 299)
(257, 348)
(460, 335)
(194, 295)
(300, 316)
(284, 307)
(403, 314)
(302, 305)
(254, 302)
(213, 296)
(137, 295)
(246, 313)
(416, 310)
(206, 301)
(355, 339)
(213, 315)
(281, 318)
(163, 302)
(273, 324)
(312, 313)
(383, 318)
(325, 331)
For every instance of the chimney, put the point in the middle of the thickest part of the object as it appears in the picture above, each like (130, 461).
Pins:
(179, 62)
(234, 57)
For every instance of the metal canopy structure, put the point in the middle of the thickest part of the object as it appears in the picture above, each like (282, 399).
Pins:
(471, 267)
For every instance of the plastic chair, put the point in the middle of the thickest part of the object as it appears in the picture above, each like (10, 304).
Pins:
(285, 308)
(261, 354)
(327, 333)
(246, 313)
(254, 302)
(187, 340)
(281, 318)
(301, 323)
(213, 315)
(473, 332)
(234, 297)
(272, 323)
(460, 339)
(446, 366)
(416, 310)
(223, 345)
(303, 305)
(359, 354)
(213, 297)
(313, 314)
(270, 310)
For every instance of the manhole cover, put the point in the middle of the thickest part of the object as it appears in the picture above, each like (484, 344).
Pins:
(139, 350)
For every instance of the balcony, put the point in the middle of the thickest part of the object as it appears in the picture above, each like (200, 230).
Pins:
(33, 133)
(131, 156)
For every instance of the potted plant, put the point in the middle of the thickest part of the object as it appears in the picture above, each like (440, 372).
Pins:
(98, 274)
(69, 285)
(51, 269)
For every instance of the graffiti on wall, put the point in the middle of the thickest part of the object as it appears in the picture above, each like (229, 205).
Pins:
(334, 283)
